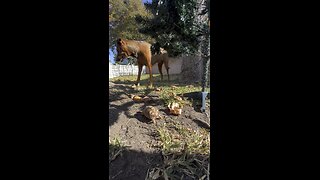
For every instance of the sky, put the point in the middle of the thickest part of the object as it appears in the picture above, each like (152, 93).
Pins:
(146, 1)
(111, 55)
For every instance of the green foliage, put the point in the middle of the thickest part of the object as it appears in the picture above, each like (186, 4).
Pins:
(177, 24)
(122, 23)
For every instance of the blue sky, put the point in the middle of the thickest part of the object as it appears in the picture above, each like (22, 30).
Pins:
(111, 55)
(146, 1)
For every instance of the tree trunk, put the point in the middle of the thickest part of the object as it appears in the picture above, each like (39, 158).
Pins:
(191, 69)
(206, 62)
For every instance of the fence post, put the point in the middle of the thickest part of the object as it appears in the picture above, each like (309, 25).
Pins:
(206, 60)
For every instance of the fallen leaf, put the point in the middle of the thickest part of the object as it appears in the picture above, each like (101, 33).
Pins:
(137, 98)
(175, 108)
(178, 98)
(158, 89)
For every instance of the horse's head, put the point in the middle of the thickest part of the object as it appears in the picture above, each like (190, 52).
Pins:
(155, 48)
(122, 50)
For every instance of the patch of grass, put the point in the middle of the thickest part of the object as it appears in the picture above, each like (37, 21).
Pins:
(116, 147)
(175, 137)
(174, 80)
(169, 97)
(185, 152)
(132, 78)
(168, 87)
(144, 80)
(168, 93)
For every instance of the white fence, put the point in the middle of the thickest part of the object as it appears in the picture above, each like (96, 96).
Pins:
(122, 70)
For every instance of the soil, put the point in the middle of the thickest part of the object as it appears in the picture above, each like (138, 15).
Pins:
(138, 133)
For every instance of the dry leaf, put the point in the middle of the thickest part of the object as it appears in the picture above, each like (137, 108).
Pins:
(158, 89)
(178, 98)
(137, 98)
(175, 108)
(176, 111)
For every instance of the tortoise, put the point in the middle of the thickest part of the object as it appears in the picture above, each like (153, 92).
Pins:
(151, 113)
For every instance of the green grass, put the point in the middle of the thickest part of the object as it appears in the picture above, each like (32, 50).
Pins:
(175, 138)
(168, 87)
(165, 84)
(116, 147)
(185, 152)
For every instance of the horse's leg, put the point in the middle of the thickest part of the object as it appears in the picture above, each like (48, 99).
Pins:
(147, 59)
(160, 69)
(166, 64)
(150, 73)
(139, 73)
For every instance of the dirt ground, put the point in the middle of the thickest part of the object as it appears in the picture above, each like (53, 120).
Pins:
(138, 133)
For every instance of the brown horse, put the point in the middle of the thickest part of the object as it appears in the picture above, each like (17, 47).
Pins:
(142, 51)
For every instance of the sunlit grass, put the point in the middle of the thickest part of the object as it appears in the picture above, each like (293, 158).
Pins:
(174, 81)
(167, 87)
(185, 151)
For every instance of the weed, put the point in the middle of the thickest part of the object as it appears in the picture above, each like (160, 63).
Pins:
(185, 152)
(116, 147)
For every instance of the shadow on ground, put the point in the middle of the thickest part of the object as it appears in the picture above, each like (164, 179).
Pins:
(139, 116)
(131, 164)
(137, 165)
(115, 111)
(196, 99)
